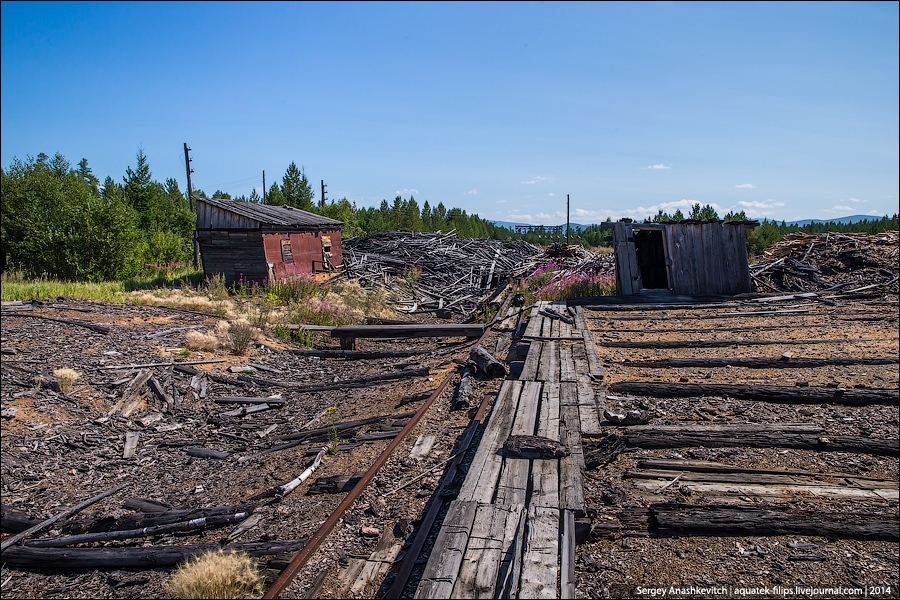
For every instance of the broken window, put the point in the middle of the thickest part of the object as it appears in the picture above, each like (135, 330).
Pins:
(286, 254)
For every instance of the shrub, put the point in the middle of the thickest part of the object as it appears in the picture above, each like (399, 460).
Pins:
(65, 379)
(241, 334)
(197, 340)
(217, 575)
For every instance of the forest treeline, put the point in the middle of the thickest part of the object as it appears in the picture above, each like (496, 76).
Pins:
(60, 221)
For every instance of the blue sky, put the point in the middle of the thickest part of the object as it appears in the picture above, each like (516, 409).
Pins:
(786, 111)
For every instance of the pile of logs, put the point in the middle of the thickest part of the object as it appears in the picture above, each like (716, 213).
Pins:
(833, 262)
(436, 271)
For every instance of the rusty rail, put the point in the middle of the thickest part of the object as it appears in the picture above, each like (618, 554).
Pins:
(304, 554)
(412, 554)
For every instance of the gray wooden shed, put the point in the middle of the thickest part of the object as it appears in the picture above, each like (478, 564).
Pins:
(688, 258)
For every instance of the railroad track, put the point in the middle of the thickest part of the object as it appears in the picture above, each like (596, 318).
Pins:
(747, 463)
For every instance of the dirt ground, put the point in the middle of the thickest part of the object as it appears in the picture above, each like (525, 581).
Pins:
(631, 563)
(59, 449)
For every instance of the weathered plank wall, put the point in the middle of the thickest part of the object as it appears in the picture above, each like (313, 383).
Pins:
(238, 255)
(703, 258)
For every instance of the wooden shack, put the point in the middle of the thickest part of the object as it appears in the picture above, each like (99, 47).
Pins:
(256, 242)
(687, 258)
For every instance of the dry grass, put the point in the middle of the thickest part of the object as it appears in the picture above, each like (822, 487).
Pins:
(217, 575)
(65, 379)
(197, 340)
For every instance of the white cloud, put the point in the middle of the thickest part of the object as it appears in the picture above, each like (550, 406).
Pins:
(407, 191)
(855, 200)
(838, 208)
(472, 192)
(757, 204)
(639, 213)
(540, 218)
(659, 166)
(501, 201)
(551, 194)
(536, 179)
(746, 186)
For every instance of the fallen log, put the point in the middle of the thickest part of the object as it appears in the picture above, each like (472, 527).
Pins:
(139, 520)
(249, 400)
(205, 453)
(604, 451)
(670, 520)
(66, 513)
(464, 391)
(127, 557)
(15, 520)
(127, 534)
(359, 354)
(487, 365)
(761, 393)
(721, 343)
(349, 383)
(649, 437)
(161, 364)
(761, 362)
(91, 326)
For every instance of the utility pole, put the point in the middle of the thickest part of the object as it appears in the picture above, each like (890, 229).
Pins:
(264, 186)
(187, 166)
(322, 202)
(567, 219)
(190, 191)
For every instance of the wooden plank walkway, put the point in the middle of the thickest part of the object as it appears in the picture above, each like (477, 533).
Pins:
(510, 533)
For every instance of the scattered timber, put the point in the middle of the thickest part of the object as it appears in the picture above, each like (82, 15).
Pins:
(127, 534)
(338, 385)
(138, 520)
(831, 261)
(761, 362)
(128, 557)
(453, 274)
(91, 326)
(761, 393)
(669, 520)
(64, 514)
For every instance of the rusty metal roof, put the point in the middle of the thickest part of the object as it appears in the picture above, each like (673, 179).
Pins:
(283, 216)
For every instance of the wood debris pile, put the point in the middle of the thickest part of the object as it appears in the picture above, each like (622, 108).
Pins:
(832, 262)
(436, 271)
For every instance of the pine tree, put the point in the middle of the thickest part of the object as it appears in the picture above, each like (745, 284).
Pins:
(296, 189)
(275, 197)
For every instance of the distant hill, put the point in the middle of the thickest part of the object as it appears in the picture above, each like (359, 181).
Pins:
(841, 220)
(512, 225)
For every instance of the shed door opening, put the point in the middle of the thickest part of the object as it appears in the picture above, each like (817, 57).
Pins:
(651, 259)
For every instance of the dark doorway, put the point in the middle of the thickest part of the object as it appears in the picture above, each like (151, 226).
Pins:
(651, 258)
